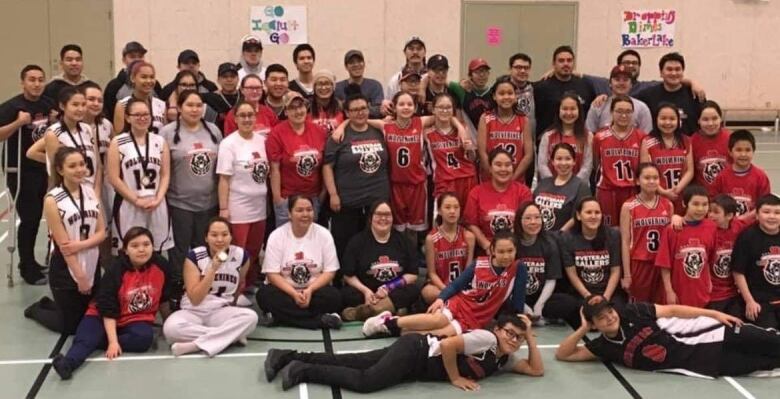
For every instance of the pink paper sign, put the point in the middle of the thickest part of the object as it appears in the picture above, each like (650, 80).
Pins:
(493, 35)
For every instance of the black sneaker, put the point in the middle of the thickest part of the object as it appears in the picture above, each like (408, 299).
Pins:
(61, 366)
(32, 275)
(331, 321)
(292, 374)
(275, 360)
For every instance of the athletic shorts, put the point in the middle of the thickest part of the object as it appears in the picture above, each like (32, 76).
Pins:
(461, 187)
(611, 201)
(127, 215)
(646, 285)
(410, 205)
(454, 323)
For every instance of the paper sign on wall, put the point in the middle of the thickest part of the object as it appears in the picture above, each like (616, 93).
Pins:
(648, 28)
(493, 35)
(279, 24)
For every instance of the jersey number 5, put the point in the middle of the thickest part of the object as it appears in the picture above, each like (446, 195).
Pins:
(454, 270)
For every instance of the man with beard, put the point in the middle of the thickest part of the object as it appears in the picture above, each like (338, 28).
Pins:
(355, 64)
(414, 51)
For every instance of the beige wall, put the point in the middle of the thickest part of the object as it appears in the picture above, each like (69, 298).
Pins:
(724, 41)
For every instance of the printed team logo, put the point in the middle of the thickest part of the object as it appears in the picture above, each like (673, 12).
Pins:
(743, 200)
(370, 162)
(140, 300)
(39, 126)
(548, 203)
(501, 218)
(259, 169)
(307, 163)
(712, 168)
(771, 264)
(524, 104)
(299, 270)
(532, 285)
(592, 275)
(693, 263)
(591, 265)
(656, 353)
(384, 269)
(722, 266)
(535, 274)
(548, 218)
(200, 163)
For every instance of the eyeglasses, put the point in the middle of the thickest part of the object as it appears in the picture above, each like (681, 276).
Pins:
(522, 67)
(356, 110)
(248, 115)
(188, 85)
(511, 335)
(140, 116)
(623, 112)
(629, 63)
(323, 84)
(383, 215)
(444, 108)
(253, 88)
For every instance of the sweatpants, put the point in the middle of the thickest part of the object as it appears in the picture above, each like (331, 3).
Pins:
(732, 306)
(749, 348)
(285, 311)
(210, 330)
(345, 223)
(402, 297)
(29, 207)
(250, 237)
(91, 335)
(189, 231)
(769, 316)
(372, 371)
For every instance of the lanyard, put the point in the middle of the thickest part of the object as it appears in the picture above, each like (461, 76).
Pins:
(84, 227)
(144, 158)
(79, 146)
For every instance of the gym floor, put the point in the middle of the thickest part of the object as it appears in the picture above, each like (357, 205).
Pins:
(26, 349)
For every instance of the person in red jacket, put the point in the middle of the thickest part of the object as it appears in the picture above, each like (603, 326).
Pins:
(122, 315)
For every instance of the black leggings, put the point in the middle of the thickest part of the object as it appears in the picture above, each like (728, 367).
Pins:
(285, 311)
(365, 372)
(29, 207)
(749, 348)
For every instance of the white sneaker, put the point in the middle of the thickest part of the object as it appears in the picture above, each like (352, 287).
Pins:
(244, 301)
(376, 325)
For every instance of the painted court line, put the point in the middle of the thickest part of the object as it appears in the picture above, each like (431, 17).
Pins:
(303, 391)
(739, 388)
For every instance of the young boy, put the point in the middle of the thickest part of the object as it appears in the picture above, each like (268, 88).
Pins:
(742, 180)
(684, 256)
(756, 264)
(724, 296)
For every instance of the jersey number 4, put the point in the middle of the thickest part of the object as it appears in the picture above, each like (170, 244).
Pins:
(452, 162)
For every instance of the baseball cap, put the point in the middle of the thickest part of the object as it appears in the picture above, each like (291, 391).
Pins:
(407, 73)
(438, 61)
(133, 47)
(353, 53)
(250, 41)
(594, 305)
(291, 96)
(619, 70)
(188, 55)
(324, 73)
(477, 63)
(414, 39)
(227, 67)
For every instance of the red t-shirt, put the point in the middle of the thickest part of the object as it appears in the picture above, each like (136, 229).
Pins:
(647, 222)
(710, 157)
(139, 296)
(405, 147)
(689, 253)
(670, 161)
(299, 157)
(618, 158)
(265, 119)
(327, 122)
(491, 210)
(723, 286)
(745, 187)
(508, 136)
(448, 156)
(449, 256)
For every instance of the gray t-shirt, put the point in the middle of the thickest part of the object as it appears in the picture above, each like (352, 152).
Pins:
(193, 167)
(601, 117)
(359, 166)
(370, 88)
(557, 202)
(593, 265)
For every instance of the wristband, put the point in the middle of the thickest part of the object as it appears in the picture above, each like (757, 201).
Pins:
(395, 283)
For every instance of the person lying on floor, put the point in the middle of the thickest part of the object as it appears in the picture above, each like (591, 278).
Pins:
(672, 338)
(461, 359)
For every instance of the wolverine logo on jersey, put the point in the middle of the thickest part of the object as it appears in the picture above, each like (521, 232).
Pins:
(722, 264)
(772, 271)
(384, 269)
(200, 164)
(370, 162)
(548, 218)
(532, 285)
(501, 222)
(300, 273)
(39, 127)
(711, 170)
(306, 164)
(693, 264)
(140, 300)
(260, 172)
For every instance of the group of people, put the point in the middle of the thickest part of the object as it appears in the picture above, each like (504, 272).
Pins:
(606, 203)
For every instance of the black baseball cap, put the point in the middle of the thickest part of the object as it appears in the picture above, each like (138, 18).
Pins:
(438, 61)
(188, 55)
(226, 68)
(414, 39)
(133, 47)
(353, 53)
(594, 305)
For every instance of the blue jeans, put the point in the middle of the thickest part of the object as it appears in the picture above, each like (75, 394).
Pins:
(283, 215)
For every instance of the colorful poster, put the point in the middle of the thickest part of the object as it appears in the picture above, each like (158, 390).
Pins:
(279, 24)
(648, 28)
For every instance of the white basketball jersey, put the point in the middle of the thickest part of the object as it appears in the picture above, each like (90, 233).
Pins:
(226, 280)
(158, 111)
(82, 140)
(70, 213)
(131, 162)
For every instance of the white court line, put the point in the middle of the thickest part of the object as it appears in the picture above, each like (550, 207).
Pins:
(739, 388)
(303, 391)
(4, 236)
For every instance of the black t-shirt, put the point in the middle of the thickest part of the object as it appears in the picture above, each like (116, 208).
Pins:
(543, 260)
(547, 99)
(375, 263)
(682, 98)
(474, 105)
(296, 86)
(757, 256)
(644, 342)
(427, 108)
(39, 110)
(221, 104)
(53, 88)
(593, 265)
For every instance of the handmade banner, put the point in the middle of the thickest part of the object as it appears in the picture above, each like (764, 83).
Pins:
(279, 24)
(648, 28)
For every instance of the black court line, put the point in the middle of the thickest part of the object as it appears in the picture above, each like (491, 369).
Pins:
(336, 391)
(618, 376)
(33, 392)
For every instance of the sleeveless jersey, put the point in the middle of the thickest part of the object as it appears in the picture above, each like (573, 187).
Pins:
(131, 166)
(670, 161)
(405, 147)
(72, 221)
(618, 158)
(488, 291)
(508, 136)
(710, 157)
(449, 256)
(647, 222)
(226, 279)
(104, 130)
(448, 156)
(158, 111)
(81, 140)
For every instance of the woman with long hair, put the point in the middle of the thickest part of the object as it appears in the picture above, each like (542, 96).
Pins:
(568, 127)
(142, 79)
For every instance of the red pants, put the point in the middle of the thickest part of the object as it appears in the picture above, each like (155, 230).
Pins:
(250, 237)
(612, 201)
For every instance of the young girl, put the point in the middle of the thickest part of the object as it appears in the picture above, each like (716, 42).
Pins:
(710, 146)
(670, 150)
(449, 247)
(325, 109)
(102, 130)
(568, 127)
(642, 218)
(504, 126)
(557, 196)
(616, 154)
(138, 165)
(252, 92)
(208, 320)
(142, 78)
(184, 80)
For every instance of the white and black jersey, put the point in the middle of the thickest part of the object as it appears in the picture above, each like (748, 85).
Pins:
(82, 140)
(158, 109)
(134, 157)
(79, 215)
(226, 280)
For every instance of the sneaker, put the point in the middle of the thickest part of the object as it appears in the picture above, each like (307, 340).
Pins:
(61, 366)
(376, 325)
(331, 321)
(32, 275)
(292, 374)
(244, 301)
(275, 360)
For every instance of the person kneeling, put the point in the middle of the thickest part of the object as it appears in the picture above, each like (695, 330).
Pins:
(461, 359)
(121, 316)
(672, 338)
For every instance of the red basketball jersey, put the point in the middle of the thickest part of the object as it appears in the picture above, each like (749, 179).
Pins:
(508, 136)
(450, 256)
(723, 286)
(618, 158)
(405, 147)
(647, 222)
(489, 290)
(555, 138)
(327, 123)
(710, 157)
(670, 161)
(689, 253)
(745, 187)
(448, 156)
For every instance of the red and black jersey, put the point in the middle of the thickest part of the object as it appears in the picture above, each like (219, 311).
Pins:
(450, 257)
(618, 158)
(745, 187)
(448, 156)
(670, 161)
(508, 136)
(407, 163)
(689, 253)
(489, 290)
(647, 222)
(723, 286)
(710, 157)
